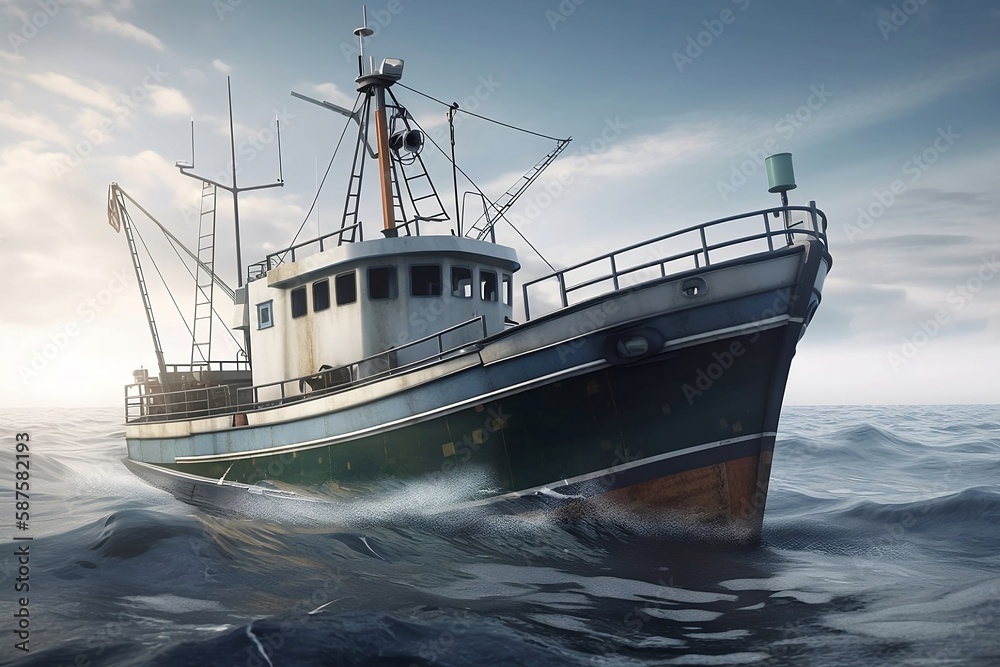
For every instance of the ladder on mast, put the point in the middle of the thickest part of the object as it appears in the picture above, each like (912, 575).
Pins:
(483, 226)
(118, 217)
(350, 224)
(201, 342)
(426, 192)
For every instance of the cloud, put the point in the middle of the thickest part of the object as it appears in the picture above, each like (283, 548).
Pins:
(835, 113)
(109, 24)
(33, 125)
(870, 107)
(94, 94)
(221, 66)
(330, 92)
(11, 9)
(168, 102)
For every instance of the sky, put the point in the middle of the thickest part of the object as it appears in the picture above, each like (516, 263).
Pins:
(889, 109)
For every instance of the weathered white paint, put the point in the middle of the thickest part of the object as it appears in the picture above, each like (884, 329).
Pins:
(343, 334)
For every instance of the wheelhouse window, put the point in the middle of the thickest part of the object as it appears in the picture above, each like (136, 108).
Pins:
(461, 282)
(321, 295)
(508, 289)
(347, 288)
(265, 319)
(425, 280)
(488, 285)
(299, 305)
(382, 282)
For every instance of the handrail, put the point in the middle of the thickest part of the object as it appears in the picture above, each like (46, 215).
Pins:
(268, 264)
(701, 252)
(153, 405)
(181, 404)
(176, 404)
(214, 366)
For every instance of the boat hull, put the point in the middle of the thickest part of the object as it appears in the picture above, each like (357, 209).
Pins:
(685, 431)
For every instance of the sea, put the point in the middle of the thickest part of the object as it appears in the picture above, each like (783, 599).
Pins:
(881, 546)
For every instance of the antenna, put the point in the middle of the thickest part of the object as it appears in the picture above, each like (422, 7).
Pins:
(188, 165)
(234, 188)
(362, 32)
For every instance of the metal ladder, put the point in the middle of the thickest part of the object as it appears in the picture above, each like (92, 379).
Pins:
(436, 212)
(483, 226)
(350, 227)
(201, 342)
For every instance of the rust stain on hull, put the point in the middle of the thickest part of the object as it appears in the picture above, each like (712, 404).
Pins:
(728, 496)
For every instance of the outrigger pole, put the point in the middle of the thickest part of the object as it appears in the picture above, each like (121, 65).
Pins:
(186, 167)
(118, 217)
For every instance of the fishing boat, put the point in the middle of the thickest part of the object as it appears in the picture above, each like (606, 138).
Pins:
(648, 379)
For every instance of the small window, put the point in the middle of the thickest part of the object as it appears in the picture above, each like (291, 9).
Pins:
(425, 280)
(382, 282)
(347, 288)
(488, 285)
(321, 295)
(299, 307)
(508, 289)
(461, 282)
(264, 319)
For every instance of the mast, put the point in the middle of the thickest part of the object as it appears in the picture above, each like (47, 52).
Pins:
(186, 167)
(375, 82)
(385, 179)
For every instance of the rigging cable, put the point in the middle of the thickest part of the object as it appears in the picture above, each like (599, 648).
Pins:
(513, 127)
(163, 280)
(481, 193)
(173, 246)
(327, 173)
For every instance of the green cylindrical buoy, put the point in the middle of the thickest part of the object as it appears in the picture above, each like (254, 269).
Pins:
(780, 177)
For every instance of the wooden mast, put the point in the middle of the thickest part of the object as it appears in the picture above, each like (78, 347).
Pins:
(376, 82)
(385, 177)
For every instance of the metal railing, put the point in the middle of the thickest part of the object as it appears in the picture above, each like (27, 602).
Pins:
(212, 366)
(260, 269)
(196, 403)
(698, 256)
(217, 400)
